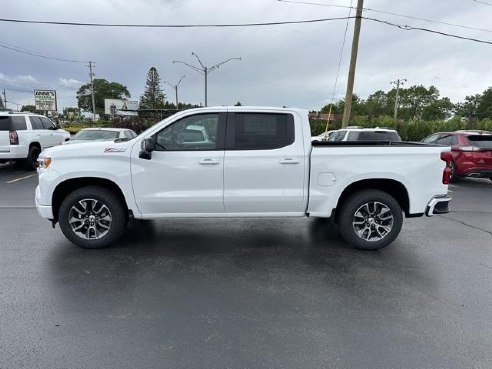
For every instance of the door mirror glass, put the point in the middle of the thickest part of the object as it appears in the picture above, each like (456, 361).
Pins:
(147, 146)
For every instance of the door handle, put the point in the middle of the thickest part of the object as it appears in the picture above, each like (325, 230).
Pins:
(289, 161)
(208, 162)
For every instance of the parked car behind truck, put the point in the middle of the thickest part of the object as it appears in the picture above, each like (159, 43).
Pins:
(24, 135)
(471, 150)
(255, 162)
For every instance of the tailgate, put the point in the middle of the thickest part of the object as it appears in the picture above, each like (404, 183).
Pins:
(5, 127)
(483, 157)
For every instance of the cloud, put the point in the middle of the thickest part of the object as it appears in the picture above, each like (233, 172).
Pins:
(69, 83)
(18, 80)
(21, 83)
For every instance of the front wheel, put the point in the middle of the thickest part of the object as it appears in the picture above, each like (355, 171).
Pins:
(370, 219)
(92, 217)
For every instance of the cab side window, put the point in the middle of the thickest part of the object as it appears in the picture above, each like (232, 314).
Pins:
(263, 131)
(36, 123)
(193, 133)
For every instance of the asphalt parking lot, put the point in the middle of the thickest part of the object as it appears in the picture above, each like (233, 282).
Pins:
(246, 293)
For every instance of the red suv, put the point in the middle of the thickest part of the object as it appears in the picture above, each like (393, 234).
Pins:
(472, 152)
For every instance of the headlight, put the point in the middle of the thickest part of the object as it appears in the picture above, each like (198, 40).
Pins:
(44, 163)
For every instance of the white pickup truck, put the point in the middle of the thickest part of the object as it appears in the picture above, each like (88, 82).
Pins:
(240, 162)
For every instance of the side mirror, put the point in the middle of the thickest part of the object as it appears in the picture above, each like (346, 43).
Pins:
(147, 146)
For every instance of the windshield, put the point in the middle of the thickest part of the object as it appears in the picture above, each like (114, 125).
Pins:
(337, 136)
(378, 136)
(96, 135)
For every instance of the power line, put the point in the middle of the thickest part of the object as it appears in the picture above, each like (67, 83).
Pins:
(22, 50)
(319, 20)
(392, 13)
(482, 2)
(172, 25)
(411, 28)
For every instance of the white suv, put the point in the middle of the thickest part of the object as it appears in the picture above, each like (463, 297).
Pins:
(365, 134)
(23, 136)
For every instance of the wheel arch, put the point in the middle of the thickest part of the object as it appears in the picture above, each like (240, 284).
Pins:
(392, 187)
(66, 187)
(35, 144)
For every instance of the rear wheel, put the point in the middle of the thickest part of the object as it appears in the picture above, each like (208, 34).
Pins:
(454, 173)
(31, 162)
(370, 219)
(92, 217)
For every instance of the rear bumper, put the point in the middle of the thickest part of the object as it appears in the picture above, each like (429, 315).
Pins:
(438, 205)
(13, 152)
(479, 173)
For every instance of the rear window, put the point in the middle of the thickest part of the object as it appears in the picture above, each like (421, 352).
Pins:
(12, 123)
(482, 141)
(378, 136)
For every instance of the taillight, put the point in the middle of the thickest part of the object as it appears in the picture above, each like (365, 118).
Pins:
(446, 174)
(14, 137)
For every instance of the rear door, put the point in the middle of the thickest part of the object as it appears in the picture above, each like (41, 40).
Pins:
(39, 132)
(264, 164)
(53, 136)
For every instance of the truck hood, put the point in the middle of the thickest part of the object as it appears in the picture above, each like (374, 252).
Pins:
(89, 149)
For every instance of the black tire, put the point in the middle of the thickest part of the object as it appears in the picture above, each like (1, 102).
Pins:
(370, 228)
(454, 173)
(31, 162)
(100, 203)
(17, 163)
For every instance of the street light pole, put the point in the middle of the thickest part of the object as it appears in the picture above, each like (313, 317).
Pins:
(176, 89)
(203, 69)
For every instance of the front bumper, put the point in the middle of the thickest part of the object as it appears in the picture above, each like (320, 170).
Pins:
(45, 211)
(438, 205)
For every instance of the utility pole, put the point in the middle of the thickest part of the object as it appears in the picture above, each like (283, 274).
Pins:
(4, 99)
(176, 89)
(398, 82)
(353, 62)
(203, 69)
(91, 75)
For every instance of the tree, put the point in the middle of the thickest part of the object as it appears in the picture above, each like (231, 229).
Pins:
(484, 109)
(29, 108)
(379, 104)
(469, 108)
(102, 90)
(71, 113)
(238, 103)
(153, 96)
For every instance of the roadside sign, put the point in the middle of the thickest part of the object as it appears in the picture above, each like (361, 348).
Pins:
(45, 100)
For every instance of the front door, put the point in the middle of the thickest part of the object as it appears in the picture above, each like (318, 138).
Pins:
(185, 174)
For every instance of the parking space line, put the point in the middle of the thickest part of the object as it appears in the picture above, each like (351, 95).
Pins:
(22, 178)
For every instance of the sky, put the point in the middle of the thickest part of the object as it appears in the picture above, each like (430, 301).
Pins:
(291, 65)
